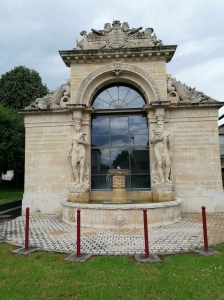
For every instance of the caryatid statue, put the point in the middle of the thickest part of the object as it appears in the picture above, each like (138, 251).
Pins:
(77, 153)
(162, 148)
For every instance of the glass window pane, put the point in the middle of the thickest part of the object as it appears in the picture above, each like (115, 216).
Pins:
(140, 181)
(120, 157)
(140, 161)
(100, 126)
(98, 104)
(139, 102)
(138, 124)
(119, 125)
(105, 96)
(99, 182)
(118, 97)
(138, 139)
(221, 139)
(123, 91)
(119, 140)
(100, 141)
(118, 104)
(100, 161)
(131, 95)
(113, 92)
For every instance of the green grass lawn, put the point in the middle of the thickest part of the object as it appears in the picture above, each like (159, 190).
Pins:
(43, 275)
(10, 193)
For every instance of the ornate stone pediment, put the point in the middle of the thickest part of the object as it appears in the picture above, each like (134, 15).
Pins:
(116, 36)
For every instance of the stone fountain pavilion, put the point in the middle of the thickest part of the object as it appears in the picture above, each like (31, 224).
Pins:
(122, 134)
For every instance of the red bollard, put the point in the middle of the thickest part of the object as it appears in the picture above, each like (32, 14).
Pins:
(78, 232)
(204, 228)
(27, 229)
(146, 233)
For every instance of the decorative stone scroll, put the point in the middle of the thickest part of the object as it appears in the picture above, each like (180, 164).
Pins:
(181, 93)
(113, 67)
(117, 36)
(56, 99)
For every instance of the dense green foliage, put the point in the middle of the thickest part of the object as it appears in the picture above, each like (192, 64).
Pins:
(20, 86)
(42, 275)
(12, 141)
(10, 193)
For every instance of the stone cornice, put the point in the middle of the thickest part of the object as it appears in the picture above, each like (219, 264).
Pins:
(131, 54)
(197, 105)
(167, 103)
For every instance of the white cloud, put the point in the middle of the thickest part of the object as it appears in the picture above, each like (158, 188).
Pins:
(32, 32)
(206, 77)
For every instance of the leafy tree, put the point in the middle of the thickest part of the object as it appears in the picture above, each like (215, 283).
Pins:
(20, 86)
(12, 141)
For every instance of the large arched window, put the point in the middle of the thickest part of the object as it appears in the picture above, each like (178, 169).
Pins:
(118, 96)
(119, 137)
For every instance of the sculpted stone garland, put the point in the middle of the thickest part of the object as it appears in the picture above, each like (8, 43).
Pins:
(109, 67)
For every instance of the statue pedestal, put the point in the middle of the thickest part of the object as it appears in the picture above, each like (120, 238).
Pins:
(118, 184)
(162, 197)
(163, 192)
(78, 193)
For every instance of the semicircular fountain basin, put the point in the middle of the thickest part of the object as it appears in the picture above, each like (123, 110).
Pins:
(128, 215)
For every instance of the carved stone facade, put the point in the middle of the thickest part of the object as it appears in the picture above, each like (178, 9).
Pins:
(117, 35)
(135, 58)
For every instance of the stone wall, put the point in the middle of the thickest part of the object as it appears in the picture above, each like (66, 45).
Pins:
(47, 171)
(155, 69)
(196, 158)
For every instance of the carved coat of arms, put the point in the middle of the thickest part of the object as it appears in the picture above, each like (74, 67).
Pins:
(117, 36)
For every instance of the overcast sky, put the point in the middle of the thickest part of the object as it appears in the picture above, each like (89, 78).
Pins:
(32, 32)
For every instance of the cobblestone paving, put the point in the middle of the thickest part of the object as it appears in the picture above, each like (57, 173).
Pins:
(48, 232)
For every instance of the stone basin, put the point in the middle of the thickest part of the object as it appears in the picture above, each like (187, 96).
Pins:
(120, 216)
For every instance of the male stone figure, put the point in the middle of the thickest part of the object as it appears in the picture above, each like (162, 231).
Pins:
(77, 153)
(162, 148)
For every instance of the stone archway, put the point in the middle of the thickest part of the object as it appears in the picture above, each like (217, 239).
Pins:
(122, 73)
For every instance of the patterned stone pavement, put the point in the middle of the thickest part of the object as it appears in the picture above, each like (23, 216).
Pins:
(49, 233)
